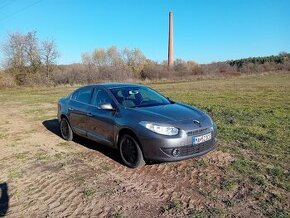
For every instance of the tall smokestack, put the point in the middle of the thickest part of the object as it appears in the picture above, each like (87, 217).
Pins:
(170, 41)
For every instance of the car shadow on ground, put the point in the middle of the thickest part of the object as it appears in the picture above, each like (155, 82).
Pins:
(52, 125)
(4, 199)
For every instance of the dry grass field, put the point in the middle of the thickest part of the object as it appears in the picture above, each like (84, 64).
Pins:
(248, 175)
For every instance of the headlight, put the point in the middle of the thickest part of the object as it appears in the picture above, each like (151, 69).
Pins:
(162, 129)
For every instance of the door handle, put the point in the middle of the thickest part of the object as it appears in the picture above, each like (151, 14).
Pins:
(89, 114)
(70, 109)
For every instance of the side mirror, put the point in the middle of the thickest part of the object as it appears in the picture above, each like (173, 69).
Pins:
(107, 106)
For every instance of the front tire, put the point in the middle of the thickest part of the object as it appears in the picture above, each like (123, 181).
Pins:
(65, 129)
(130, 152)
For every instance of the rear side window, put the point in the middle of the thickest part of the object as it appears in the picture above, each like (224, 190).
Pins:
(83, 95)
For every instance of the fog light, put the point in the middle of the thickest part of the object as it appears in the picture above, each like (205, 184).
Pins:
(175, 152)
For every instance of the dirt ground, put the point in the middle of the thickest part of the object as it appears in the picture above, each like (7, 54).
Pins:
(49, 177)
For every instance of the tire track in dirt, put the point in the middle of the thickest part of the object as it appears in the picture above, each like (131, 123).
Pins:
(170, 182)
(87, 182)
(57, 193)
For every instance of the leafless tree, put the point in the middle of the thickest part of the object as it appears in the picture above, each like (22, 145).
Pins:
(22, 52)
(135, 59)
(32, 51)
(14, 51)
(88, 63)
(49, 55)
(114, 57)
(99, 57)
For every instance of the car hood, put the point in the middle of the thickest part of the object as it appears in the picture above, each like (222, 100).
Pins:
(170, 113)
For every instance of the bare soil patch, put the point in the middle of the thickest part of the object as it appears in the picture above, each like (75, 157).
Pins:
(49, 177)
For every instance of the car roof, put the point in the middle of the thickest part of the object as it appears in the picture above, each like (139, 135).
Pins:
(112, 85)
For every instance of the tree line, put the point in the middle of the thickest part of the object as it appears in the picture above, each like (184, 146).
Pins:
(275, 59)
(28, 61)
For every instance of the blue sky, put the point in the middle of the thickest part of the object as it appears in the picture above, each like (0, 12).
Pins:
(204, 30)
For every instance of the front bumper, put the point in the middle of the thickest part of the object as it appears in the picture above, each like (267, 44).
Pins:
(165, 149)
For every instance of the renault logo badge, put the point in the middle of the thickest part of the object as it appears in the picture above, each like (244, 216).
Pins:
(197, 122)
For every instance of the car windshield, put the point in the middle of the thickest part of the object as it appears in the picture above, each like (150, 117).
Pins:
(138, 97)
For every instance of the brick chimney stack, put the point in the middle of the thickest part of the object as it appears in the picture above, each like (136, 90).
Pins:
(170, 41)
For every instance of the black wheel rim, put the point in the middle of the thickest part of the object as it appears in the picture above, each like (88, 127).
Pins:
(129, 150)
(64, 128)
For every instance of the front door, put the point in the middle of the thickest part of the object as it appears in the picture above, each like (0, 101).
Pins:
(100, 126)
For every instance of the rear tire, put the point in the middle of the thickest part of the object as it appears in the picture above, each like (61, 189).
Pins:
(66, 130)
(130, 151)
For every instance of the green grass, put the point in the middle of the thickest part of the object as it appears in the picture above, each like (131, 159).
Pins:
(252, 114)
(253, 118)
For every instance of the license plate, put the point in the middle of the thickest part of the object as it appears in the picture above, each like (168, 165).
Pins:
(200, 139)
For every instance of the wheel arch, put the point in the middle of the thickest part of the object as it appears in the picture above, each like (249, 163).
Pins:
(128, 131)
(64, 116)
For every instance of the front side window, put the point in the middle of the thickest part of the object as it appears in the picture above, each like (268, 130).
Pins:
(83, 95)
(138, 97)
(101, 97)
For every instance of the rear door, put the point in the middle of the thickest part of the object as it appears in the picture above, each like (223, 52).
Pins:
(101, 122)
(78, 109)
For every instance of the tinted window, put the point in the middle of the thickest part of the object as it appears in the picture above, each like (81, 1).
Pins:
(138, 97)
(83, 95)
(101, 97)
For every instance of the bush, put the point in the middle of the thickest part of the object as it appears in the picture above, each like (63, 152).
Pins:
(7, 80)
(153, 71)
(84, 74)
(217, 69)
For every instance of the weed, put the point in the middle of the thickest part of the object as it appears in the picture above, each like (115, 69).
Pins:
(197, 213)
(258, 180)
(214, 212)
(77, 177)
(201, 163)
(174, 205)
(228, 185)
(228, 202)
(3, 135)
(14, 173)
(63, 144)
(88, 192)
(44, 157)
(117, 215)
(59, 155)
(21, 156)
(106, 167)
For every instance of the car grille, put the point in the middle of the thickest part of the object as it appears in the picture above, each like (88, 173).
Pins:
(198, 131)
(191, 149)
(195, 149)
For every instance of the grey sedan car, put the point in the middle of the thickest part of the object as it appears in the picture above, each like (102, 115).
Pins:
(138, 121)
